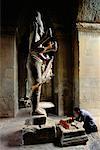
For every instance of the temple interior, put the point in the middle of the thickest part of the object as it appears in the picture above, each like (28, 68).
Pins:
(76, 67)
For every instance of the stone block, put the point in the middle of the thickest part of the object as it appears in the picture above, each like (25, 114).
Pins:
(36, 120)
(69, 137)
(35, 135)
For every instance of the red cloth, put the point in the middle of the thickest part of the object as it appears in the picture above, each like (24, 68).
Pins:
(64, 124)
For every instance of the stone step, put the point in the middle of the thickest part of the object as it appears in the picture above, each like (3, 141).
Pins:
(46, 105)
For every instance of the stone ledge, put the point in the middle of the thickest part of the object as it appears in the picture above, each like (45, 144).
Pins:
(90, 27)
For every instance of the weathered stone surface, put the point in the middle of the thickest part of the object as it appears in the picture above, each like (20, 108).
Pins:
(37, 136)
(67, 137)
(34, 134)
(8, 75)
(36, 120)
(89, 67)
(89, 11)
(63, 77)
(10, 136)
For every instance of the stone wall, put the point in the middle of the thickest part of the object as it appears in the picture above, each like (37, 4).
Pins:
(89, 66)
(86, 43)
(89, 11)
(63, 96)
(8, 75)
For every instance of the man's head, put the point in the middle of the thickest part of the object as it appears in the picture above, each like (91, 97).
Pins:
(76, 112)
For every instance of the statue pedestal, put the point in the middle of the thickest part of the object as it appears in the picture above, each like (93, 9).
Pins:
(35, 134)
(53, 132)
(36, 120)
(39, 128)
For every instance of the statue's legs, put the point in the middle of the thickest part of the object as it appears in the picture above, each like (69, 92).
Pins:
(37, 92)
(34, 77)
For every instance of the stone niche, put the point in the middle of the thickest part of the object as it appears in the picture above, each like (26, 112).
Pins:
(89, 66)
(63, 96)
(8, 74)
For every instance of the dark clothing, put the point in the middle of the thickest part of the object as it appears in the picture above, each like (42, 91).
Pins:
(89, 123)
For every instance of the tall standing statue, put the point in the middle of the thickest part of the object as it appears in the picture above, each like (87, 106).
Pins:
(42, 46)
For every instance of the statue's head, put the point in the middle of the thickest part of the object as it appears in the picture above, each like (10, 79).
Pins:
(38, 20)
(38, 17)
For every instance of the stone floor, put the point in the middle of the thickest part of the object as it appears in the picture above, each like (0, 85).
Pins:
(10, 138)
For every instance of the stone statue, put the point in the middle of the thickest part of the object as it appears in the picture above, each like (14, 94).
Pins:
(42, 46)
